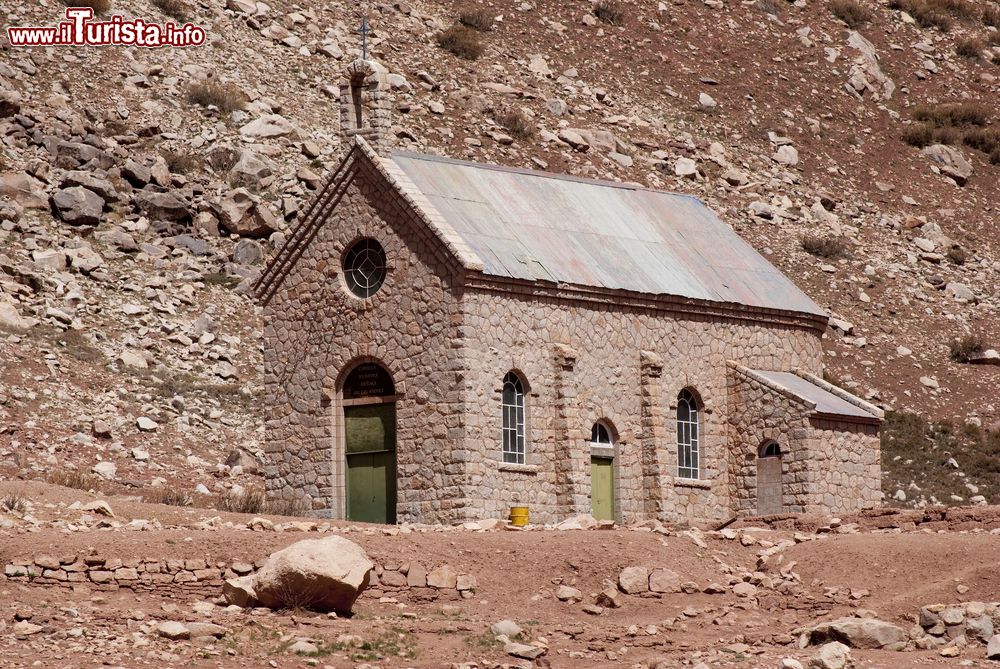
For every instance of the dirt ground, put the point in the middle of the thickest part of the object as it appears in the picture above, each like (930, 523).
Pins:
(886, 573)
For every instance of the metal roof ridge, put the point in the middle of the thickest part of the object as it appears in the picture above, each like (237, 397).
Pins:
(494, 167)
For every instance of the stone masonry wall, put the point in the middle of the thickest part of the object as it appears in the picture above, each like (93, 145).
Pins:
(316, 331)
(759, 414)
(828, 466)
(628, 366)
(198, 577)
(845, 461)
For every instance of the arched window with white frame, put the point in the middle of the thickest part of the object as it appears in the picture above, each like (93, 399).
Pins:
(600, 435)
(512, 405)
(688, 453)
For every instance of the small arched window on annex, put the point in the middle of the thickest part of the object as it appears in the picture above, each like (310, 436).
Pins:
(689, 411)
(513, 423)
(769, 449)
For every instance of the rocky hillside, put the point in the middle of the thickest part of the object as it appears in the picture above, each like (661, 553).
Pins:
(855, 144)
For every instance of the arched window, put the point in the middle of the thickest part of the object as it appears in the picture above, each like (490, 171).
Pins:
(687, 436)
(513, 419)
(770, 449)
(600, 434)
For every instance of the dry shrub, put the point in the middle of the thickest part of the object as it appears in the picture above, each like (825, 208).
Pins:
(824, 247)
(74, 478)
(769, 6)
(222, 158)
(953, 114)
(957, 255)
(252, 500)
(918, 135)
(515, 122)
(168, 495)
(287, 507)
(924, 13)
(960, 9)
(970, 47)
(478, 19)
(182, 163)
(99, 6)
(986, 140)
(610, 11)
(174, 8)
(991, 16)
(14, 502)
(966, 348)
(851, 12)
(461, 41)
(225, 97)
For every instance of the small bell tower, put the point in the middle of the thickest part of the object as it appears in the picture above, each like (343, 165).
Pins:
(365, 104)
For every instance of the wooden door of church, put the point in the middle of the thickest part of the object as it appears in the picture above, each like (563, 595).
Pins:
(769, 500)
(602, 492)
(370, 432)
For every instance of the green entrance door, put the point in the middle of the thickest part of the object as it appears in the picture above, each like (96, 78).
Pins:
(370, 432)
(602, 493)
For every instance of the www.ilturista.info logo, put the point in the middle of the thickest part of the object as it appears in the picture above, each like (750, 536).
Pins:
(80, 30)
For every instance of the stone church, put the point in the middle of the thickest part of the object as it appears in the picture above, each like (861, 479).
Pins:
(445, 340)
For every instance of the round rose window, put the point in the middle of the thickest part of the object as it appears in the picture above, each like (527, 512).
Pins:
(364, 268)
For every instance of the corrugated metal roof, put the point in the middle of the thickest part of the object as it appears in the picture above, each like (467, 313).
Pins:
(825, 401)
(539, 226)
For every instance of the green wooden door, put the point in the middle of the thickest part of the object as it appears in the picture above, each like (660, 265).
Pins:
(370, 433)
(602, 492)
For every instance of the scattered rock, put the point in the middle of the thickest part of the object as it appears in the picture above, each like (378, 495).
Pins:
(949, 161)
(78, 206)
(326, 574)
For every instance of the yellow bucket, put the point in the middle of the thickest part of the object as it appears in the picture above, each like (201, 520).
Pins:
(518, 516)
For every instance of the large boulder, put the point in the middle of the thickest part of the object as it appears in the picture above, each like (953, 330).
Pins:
(253, 166)
(78, 205)
(162, 206)
(240, 213)
(269, 126)
(90, 181)
(833, 655)
(859, 633)
(327, 574)
(950, 162)
(23, 189)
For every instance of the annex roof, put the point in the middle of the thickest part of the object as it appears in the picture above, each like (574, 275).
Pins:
(537, 226)
(826, 402)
